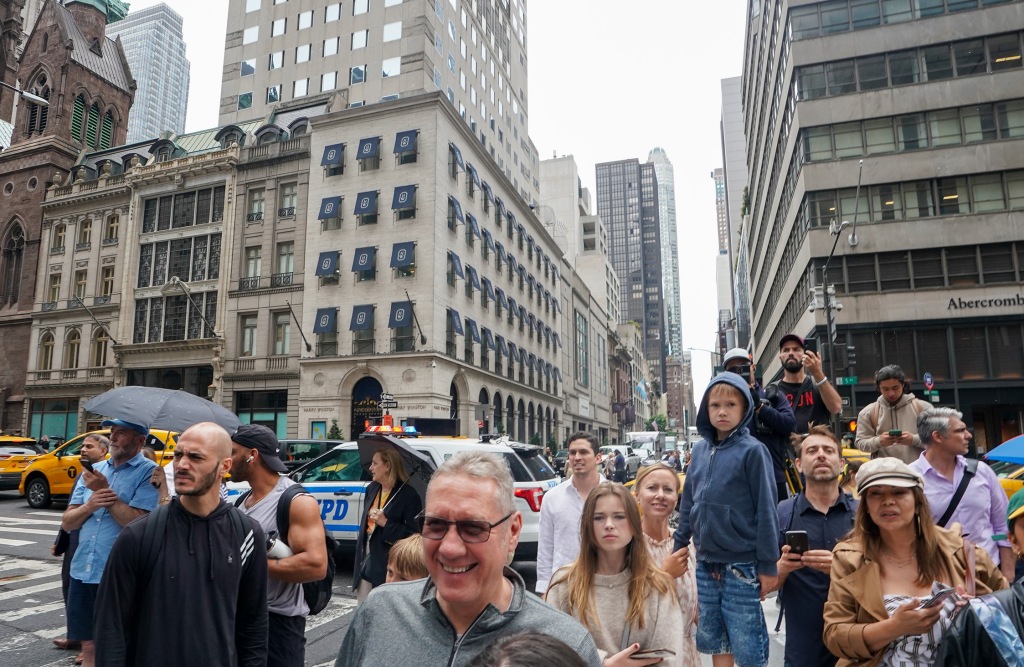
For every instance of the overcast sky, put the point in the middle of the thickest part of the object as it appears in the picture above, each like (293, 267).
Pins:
(608, 80)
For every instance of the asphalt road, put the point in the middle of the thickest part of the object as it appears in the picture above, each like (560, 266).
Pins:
(32, 611)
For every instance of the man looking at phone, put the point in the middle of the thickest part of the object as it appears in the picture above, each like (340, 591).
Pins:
(888, 427)
(811, 523)
(107, 498)
(812, 396)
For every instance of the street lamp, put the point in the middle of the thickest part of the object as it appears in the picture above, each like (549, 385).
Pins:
(28, 97)
(177, 283)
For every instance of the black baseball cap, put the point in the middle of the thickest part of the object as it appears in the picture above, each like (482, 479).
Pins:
(791, 337)
(264, 441)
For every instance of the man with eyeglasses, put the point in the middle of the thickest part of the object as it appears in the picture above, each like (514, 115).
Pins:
(773, 419)
(470, 599)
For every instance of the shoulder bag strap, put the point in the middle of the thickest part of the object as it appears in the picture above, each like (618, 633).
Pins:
(969, 564)
(972, 467)
(284, 508)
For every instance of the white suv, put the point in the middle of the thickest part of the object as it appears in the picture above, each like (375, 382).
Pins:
(338, 482)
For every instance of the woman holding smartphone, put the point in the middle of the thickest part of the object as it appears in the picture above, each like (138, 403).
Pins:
(886, 604)
(614, 588)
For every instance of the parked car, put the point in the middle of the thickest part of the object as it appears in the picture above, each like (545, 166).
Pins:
(561, 458)
(301, 452)
(53, 475)
(1011, 475)
(338, 482)
(15, 455)
(633, 458)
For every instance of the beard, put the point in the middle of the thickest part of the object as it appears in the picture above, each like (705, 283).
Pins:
(204, 484)
(823, 475)
(792, 365)
(240, 471)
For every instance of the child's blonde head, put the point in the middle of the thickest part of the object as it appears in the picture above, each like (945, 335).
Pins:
(726, 390)
(405, 560)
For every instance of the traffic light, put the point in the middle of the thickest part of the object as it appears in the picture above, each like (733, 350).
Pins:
(848, 429)
(851, 359)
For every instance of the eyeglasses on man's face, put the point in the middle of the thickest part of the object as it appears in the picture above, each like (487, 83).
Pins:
(471, 531)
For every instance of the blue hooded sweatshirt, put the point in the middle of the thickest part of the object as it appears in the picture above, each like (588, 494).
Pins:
(728, 504)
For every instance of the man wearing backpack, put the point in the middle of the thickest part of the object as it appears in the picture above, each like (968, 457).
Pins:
(256, 459)
(187, 585)
(888, 427)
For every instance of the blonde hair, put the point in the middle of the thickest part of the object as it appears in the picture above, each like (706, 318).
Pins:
(647, 470)
(724, 389)
(406, 557)
(645, 577)
(395, 463)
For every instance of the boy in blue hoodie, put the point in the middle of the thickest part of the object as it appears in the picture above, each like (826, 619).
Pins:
(728, 508)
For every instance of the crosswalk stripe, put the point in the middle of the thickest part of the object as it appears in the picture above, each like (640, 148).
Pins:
(33, 522)
(18, 578)
(336, 608)
(13, 563)
(27, 531)
(25, 612)
(21, 592)
(14, 543)
(41, 513)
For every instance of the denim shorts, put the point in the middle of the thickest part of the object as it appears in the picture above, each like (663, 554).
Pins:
(730, 618)
(80, 605)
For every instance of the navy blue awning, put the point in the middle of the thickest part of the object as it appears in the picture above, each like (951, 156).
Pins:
(474, 226)
(514, 352)
(522, 271)
(500, 205)
(547, 369)
(502, 345)
(522, 312)
(330, 207)
(558, 373)
(512, 263)
(488, 339)
(458, 208)
(513, 306)
(474, 331)
(547, 333)
(362, 318)
(488, 288)
(327, 265)
(555, 304)
(501, 297)
(401, 315)
(555, 271)
(457, 154)
(529, 241)
(488, 193)
(500, 248)
(531, 360)
(531, 280)
(557, 339)
(405, 198)
(511, 219)
(364, 259)
(532, 322)
(368, 148)
(403, 255)
(488, 239)
(405, 142)
(474, 279)
(366, 203)
(453, 316)
(457, 265)
(471, 170)
(333, 154)
(326, 320)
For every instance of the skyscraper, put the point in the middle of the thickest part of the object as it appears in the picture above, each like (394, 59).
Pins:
(627, 201)
(734, 165)
(669, 251)
(155, 49)
(383, 50)
(904, 123)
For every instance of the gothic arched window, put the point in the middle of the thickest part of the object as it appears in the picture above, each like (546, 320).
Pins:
(13, 252)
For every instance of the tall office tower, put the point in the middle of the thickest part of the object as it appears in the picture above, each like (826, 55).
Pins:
(926, 97)
(155, 48)
(627, 201)
(382, 50)
(669, 251)
(734, 161)
(723, 267)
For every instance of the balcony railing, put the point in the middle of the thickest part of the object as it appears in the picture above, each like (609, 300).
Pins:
(245, 364)
(110, 241)
(248, 283)
(326, 349)
(403, 344)
(100, 300)
(254, 217)
(286, 212)
(364, 346)
(277, 363)
(83, 246)
(281, 279)
(57, 250)
(49, 305)
(74, 302)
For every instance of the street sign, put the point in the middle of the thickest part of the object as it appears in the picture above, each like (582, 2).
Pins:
(846, 401)
(929, 381)
(386, 397)
(849, 379)
(387, 404)
(935, 397)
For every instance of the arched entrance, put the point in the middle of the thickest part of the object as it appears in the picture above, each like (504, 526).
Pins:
(453, 410)
(485, 403)
(510, 411)
(365, 405)
(531, 428)
(499, 422)
(521, 426)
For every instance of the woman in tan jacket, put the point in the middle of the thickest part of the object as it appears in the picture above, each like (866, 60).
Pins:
(894, 561)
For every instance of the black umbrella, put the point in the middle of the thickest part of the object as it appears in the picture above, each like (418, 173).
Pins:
(167, 409)
(419, 466)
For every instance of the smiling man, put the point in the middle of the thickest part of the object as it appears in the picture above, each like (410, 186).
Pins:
(470, 530)
(558, 539)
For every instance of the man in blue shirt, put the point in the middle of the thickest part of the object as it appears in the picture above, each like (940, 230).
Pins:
(114, 494)
(825, 515)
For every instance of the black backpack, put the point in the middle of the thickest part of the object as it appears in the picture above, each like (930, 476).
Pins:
(317, 593)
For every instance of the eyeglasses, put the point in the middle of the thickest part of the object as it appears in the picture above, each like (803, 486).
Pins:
(471, 532)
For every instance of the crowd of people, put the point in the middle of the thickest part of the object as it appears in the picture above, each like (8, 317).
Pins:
(907, 564)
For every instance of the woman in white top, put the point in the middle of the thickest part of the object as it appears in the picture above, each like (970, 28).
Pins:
(615, 589)
(657, 492)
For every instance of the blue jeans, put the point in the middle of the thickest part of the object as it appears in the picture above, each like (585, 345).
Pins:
(730, 618)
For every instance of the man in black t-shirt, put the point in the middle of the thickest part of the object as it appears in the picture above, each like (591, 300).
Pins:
(809, 391)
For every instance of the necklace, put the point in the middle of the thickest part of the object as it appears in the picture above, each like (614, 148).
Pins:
(899, 563)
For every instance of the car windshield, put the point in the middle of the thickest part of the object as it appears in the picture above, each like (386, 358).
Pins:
(537, 465)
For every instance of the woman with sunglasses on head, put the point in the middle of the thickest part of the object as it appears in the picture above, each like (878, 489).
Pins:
(882, 606)
(390, 515)
(657, 493)
(615, 588)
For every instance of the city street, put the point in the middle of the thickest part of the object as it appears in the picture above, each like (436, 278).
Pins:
(32, 612)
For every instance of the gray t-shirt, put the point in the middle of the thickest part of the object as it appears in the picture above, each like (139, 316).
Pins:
(283, 598)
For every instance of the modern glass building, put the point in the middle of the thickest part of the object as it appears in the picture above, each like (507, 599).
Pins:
(155, 48)
(670, 251)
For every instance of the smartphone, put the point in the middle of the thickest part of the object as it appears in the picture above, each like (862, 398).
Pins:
(87, 464)
(896, 433)
(651, 653)
(797, 541)
(811, 345)
(938, 598)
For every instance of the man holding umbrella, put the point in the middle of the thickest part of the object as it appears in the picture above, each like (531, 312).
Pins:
(110, 496)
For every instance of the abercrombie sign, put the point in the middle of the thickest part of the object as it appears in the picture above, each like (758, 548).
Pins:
(963, 304)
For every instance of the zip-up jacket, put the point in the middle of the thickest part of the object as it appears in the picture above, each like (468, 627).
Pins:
(882, 416)
(728, 504)
(402, 624)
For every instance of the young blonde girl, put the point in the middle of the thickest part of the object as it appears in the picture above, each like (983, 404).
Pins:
(615, 589)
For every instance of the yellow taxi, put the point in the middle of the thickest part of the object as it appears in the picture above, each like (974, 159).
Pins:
(53, 475)
(1011, 475)
(15, 454)
(854, 454)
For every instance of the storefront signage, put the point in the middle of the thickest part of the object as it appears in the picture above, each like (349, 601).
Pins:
(964, 304)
